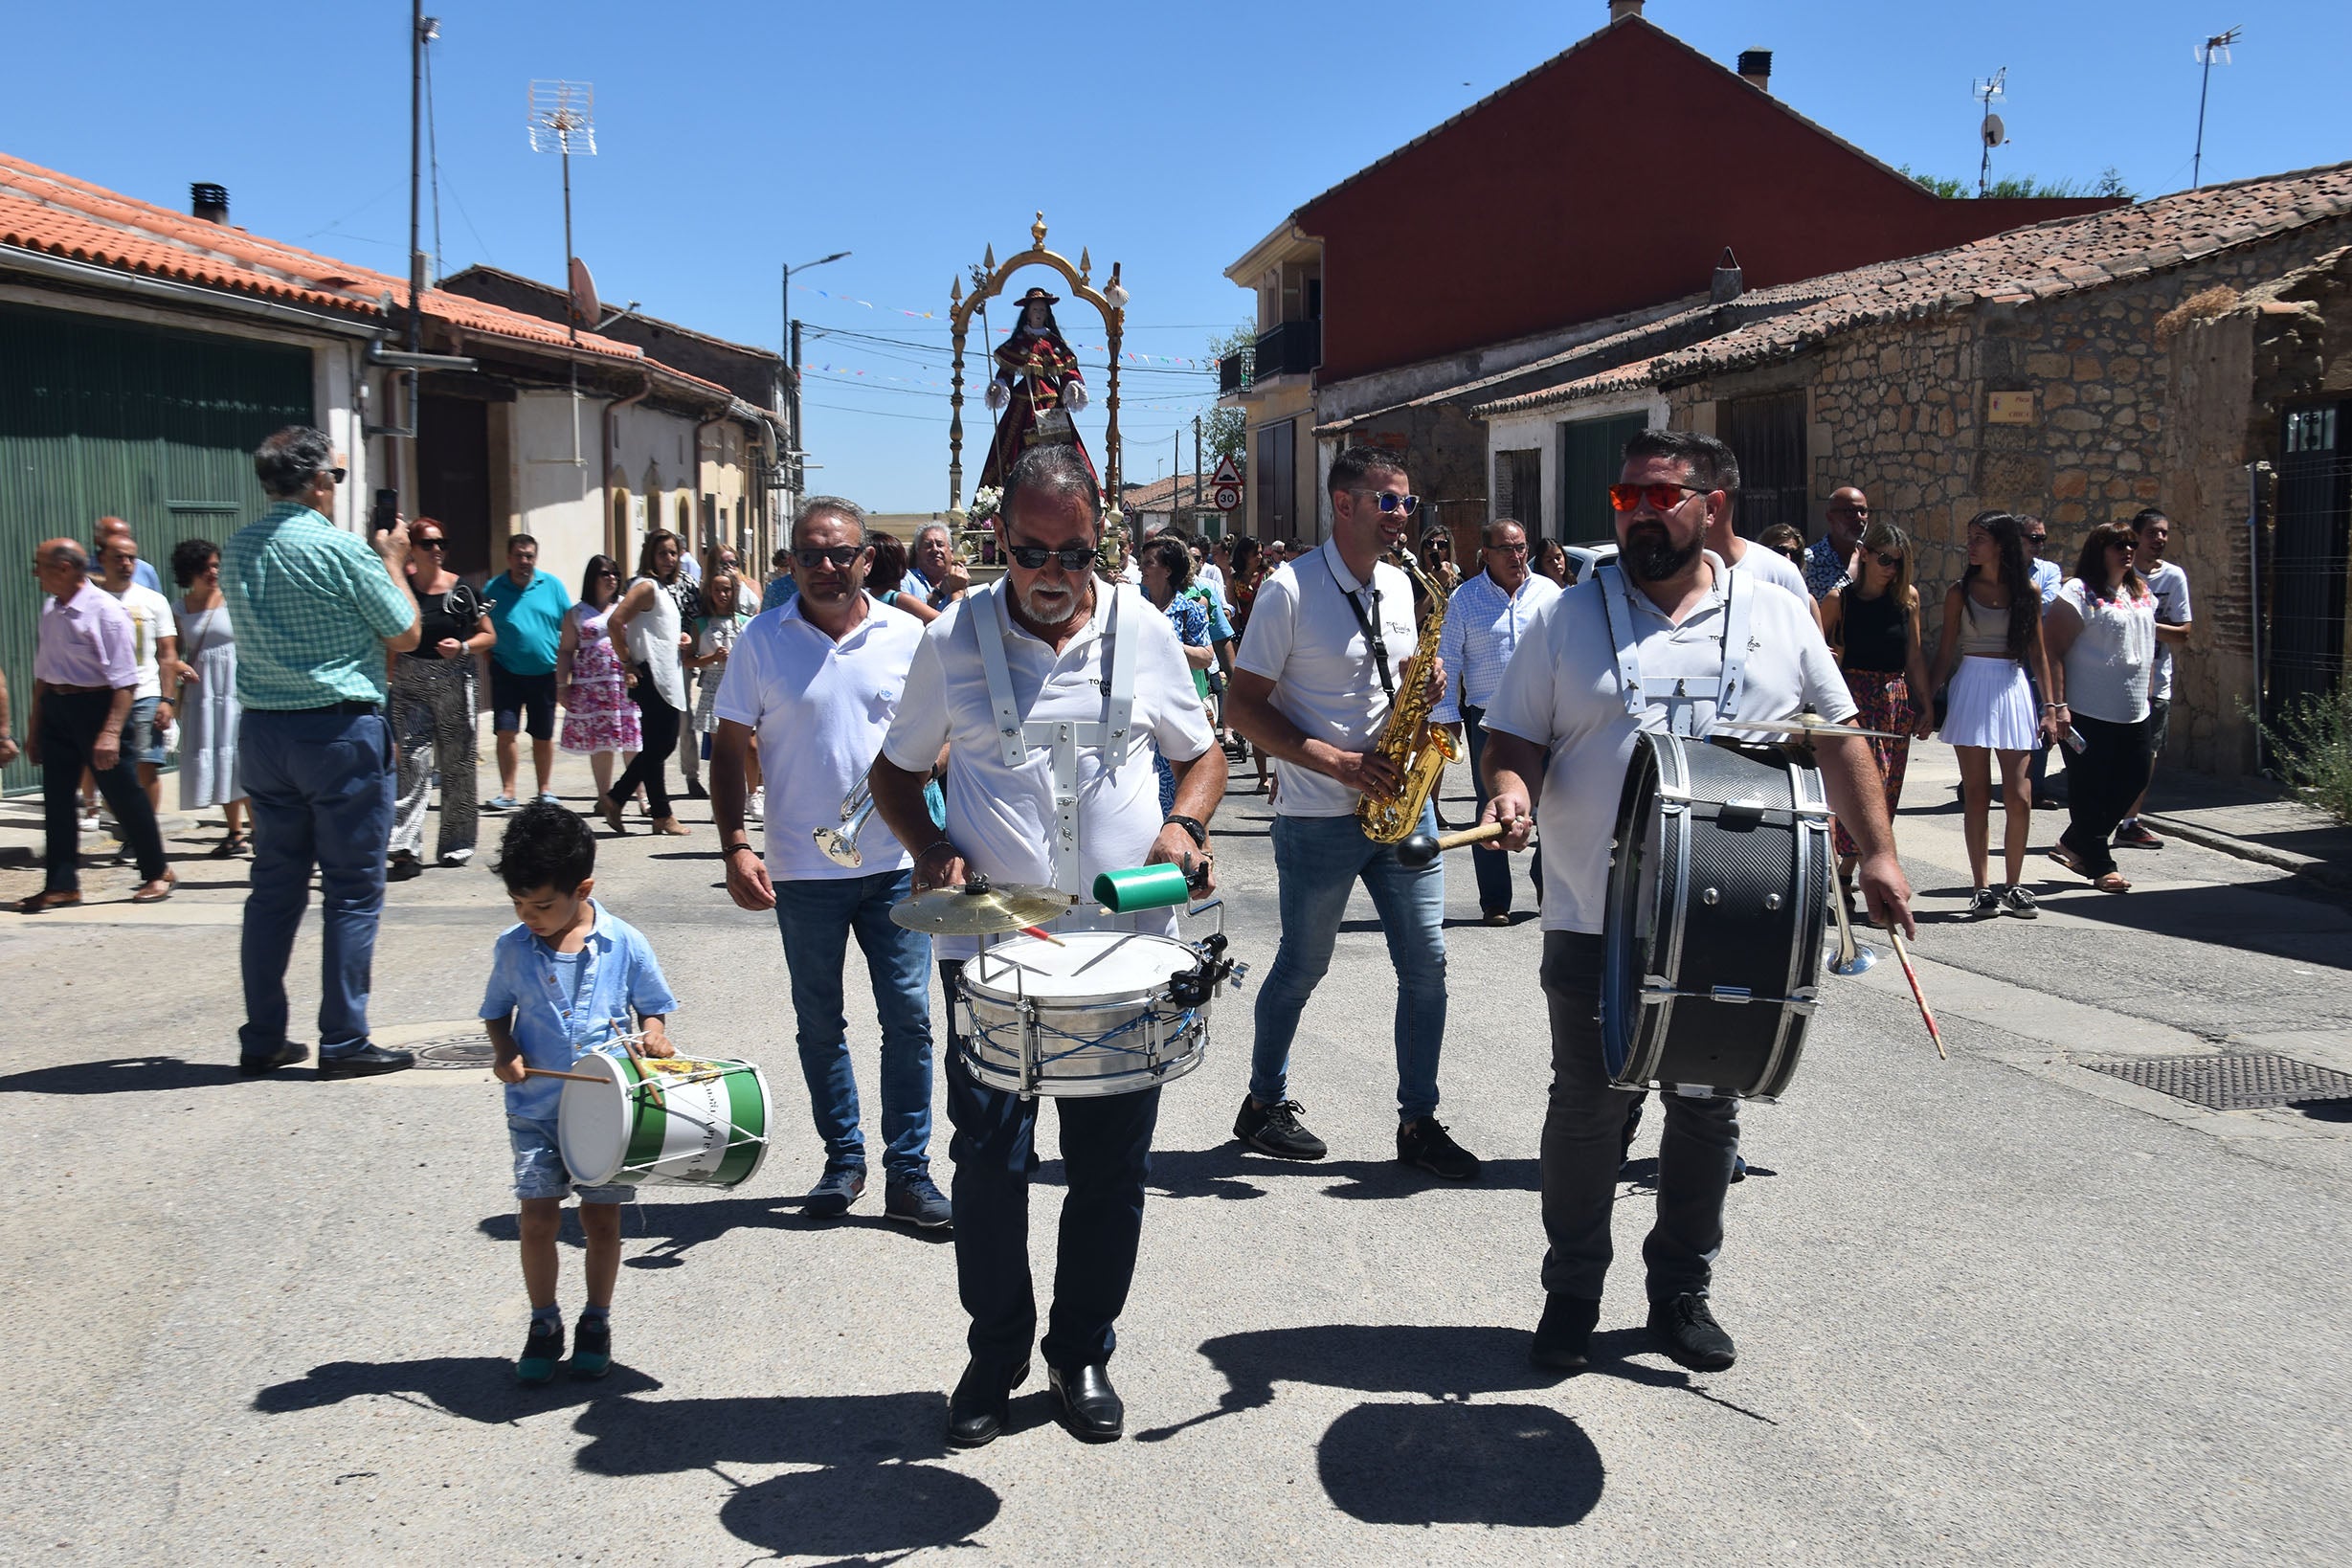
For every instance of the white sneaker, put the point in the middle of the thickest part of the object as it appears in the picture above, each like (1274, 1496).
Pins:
(757, 805)
(456, 857)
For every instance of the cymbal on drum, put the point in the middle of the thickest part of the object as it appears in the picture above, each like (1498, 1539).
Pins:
(980, 908)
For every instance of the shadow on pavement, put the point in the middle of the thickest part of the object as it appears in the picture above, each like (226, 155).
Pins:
(868, 1496)
(120, 1075)
(478, 1388)
(1509, 1465)
(1231, 1170)
(2199, 914)
(679, 1229)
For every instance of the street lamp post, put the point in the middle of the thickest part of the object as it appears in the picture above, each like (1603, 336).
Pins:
(792, 381)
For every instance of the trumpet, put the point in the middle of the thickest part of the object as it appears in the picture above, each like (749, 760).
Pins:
(839, 845)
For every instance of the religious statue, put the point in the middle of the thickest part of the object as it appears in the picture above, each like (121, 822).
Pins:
(1036, 388)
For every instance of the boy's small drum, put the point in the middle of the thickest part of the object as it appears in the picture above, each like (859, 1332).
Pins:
(710, 1128)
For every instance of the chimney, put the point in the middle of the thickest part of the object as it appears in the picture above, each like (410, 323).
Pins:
(1756, 69)
(1728, 283)
(1620, 10)
(209, 202)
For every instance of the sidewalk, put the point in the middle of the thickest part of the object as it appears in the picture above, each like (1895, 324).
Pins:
(2254, 819)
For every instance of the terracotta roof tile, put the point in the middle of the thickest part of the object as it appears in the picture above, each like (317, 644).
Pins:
(2042, 261)
(56, 215)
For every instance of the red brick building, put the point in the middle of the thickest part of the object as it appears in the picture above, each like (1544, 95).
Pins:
(1518, 205)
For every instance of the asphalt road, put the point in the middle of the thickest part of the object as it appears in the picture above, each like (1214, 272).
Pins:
(1995, 1308)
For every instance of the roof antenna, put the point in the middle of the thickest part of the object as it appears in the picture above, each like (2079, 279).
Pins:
(2217, 47)
(1991, 132)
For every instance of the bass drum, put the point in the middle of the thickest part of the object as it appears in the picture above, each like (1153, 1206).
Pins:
(1717, 879)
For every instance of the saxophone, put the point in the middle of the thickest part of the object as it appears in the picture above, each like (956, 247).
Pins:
(1420, 748)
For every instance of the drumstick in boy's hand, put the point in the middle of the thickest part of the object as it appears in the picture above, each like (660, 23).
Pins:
(568, 1077)
(652, 1089)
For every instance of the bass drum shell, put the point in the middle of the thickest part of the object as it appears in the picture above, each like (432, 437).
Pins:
(1717, 882)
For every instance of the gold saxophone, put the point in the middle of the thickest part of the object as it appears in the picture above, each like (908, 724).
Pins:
(1419, 749)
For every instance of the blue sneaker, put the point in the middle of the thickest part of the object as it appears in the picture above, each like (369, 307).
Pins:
(540, 1353)
(500, 802)
(592, 1346)
(916, 1200)
(835, 1191)
(549, 798)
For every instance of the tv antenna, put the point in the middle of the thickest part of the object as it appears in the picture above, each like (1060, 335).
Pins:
(562, 120)
(2215, 48)
(1990, 132)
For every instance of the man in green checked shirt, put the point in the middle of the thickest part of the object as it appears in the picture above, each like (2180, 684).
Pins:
(315, 609)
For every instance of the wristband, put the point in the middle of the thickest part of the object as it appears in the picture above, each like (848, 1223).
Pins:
(1192, 827)
(731, 848)
(936, 844)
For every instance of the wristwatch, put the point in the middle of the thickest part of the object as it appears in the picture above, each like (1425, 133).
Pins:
(1194, 829)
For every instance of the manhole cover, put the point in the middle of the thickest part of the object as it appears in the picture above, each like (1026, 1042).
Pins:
(2251, 1081)
(455, 1051)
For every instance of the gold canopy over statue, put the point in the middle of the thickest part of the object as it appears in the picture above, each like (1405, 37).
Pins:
(1035, 385)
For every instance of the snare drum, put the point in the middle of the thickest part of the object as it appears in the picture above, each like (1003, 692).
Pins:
(1110, 1013)
(710, 1128)
(1717, 879)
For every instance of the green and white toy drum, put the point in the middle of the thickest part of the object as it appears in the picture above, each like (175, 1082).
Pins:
(708, 1128)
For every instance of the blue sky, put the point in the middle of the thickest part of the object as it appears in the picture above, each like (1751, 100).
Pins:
(737, 138)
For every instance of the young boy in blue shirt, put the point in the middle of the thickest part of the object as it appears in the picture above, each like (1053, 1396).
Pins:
(563, 982)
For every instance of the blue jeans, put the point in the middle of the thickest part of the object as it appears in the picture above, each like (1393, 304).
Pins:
(1106, 1155)
(321, 791)
(818, 917)
(1318, 860)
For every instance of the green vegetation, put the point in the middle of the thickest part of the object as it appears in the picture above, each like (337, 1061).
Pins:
(2312, 748)
(1224, 433)
(2110, 183)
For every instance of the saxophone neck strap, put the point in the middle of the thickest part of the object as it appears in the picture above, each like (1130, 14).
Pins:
(1371, 631)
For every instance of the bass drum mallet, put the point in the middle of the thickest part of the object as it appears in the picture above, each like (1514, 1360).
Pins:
(1419, 849)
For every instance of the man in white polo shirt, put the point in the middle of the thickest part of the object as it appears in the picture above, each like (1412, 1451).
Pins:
(817, 684)
(1485, 619)
(1746, 554)
(1559, 717)
(1075, 653)
(1320, 663)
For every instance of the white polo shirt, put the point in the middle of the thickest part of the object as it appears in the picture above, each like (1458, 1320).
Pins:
(1002, 818)
(1771, 567)
(819, 709)
(1560, 691)
(1303, 638)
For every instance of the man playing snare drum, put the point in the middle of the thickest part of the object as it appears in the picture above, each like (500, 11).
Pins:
(1561, 717)
(1076, 714)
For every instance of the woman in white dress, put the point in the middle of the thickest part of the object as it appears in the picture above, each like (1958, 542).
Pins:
(1992, 638)
(646, 624)
(205, 695)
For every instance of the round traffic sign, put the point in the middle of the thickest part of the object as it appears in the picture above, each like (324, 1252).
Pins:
(1228, 498)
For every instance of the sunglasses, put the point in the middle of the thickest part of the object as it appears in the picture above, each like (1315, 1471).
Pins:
(1791, 551)
(1850, 511)
(2037, 540)
(1662, 497)
(428, 542)
(1074, 558)
(1505, 549)
(1391, 504)
(1890, 562)
(335, 473)
(839, 556)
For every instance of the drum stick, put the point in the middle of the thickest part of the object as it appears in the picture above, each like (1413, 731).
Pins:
(1043, 936)
(567, 1077)
(1902, 951)
(645, 1079)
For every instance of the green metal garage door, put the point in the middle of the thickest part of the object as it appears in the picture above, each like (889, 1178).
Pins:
(141, 422)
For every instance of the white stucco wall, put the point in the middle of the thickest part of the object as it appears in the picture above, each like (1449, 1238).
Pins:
(1540, 430)
(557, 502)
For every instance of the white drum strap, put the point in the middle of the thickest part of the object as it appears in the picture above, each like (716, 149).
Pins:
(1670, 703)
(1062, 737)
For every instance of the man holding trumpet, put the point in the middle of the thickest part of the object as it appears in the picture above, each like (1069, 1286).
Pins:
(816, 683)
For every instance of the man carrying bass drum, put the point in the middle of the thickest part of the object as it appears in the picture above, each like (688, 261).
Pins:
(1051, 689)
(1561, 717)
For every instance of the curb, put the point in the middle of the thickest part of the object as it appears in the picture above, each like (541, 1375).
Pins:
(2325, 874)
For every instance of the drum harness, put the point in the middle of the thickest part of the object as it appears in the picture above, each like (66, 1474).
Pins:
(1113, 733)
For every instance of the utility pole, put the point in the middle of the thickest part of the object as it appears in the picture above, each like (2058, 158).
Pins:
(799, 446)
(794, 463)
(1196, 459)
(416, 133)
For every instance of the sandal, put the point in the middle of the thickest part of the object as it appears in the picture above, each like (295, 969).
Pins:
(235, 845)
(158, 891)
(2111, 883)
(2066, 857)
(44, 902)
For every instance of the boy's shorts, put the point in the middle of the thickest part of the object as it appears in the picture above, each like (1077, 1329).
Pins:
(539, 1164)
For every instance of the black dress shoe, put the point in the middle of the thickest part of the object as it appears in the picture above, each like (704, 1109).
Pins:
(1089, 1405)
(365, 1063)
(1687, 1332)
(975, 1410)
(1564, 1338)
(286, 1056)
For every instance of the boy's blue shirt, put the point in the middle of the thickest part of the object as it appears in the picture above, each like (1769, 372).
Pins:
(622, 974)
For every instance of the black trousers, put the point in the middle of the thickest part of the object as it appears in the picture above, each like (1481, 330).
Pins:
(2103, 781)
(1106, 1154)
(70, 725)
(659, 722)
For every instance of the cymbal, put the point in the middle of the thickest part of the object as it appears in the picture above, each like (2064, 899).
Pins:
(1805, 724)
(980, 908)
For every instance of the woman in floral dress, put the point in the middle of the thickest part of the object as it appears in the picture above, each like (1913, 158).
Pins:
(591, 681)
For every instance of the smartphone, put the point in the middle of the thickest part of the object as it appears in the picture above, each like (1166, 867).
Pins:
(385, 512)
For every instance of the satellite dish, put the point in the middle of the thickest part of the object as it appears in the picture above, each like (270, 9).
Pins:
(584, 307)
(1994, 134)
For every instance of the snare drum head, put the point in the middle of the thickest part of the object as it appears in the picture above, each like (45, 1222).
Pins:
(1094, 967)
(592, 1122)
